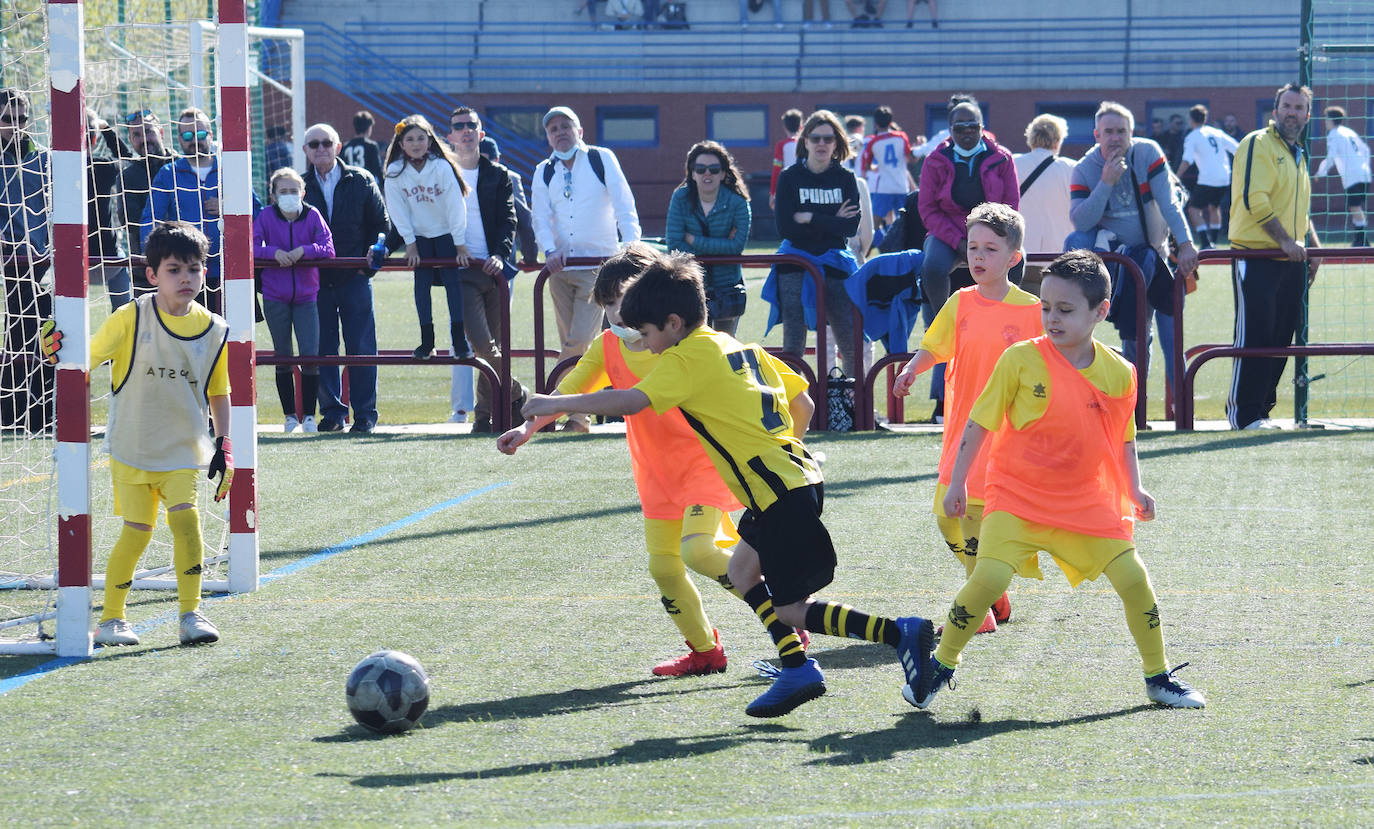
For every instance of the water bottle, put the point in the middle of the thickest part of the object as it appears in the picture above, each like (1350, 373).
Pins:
(376, 254)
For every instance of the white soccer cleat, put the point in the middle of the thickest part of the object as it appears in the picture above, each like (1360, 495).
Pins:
(1166, 690)
(115, 632)
(196, 629)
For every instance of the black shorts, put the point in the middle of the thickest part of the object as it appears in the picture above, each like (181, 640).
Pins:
(1355, 195)
(1205, 195)
(794, 547)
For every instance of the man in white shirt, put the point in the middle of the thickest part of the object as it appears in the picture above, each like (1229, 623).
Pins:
(582, 206)
(1210, 149)
(1349, 153)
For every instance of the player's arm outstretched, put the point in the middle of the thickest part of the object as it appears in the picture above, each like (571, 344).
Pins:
(918, 365)
(608, 402)
(956, 497)
(1144, 501)
(513, 439)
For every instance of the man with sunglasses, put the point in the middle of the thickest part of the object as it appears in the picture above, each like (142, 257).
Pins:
(352, 205)
(148, 156)
(23, 254)
(582, 206)
(188, 190)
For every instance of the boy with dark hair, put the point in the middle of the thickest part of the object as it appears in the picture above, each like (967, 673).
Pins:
(156, 428)
(785, 553)
(1347, 151)
(785, 151)
(969, 334)
(1062, 475)
(361, 150)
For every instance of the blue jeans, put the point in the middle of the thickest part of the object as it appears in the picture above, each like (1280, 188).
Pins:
(939, 261)
(440, 247)
(345, 300)
(744, 11)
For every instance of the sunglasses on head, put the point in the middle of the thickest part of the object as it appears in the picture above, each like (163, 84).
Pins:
(316, 144)
(966, 125)
(137, 117)
(459, 126)
(703, 169)
(22, 118)
(194, 135)
(821, 139)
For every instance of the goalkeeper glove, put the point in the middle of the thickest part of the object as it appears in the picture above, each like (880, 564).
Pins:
(49, 341)
(223, 463)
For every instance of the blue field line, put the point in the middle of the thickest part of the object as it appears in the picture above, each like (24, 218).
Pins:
(8, 684)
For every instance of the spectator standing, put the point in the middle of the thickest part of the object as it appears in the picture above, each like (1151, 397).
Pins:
(1210, 150)
(1108, 193)
(808, 13)
(866, 14)
(361, 150)
(1270, 202)
(490, 236)
(1044, 175)
(854, 134)
(1231, 127)
(709, 215)
(1349, 153)
(784, 152)
(292, 232)
(746, 6)
(102, 231)
(582, 206)
(884, 162)
(188, 190)
(911, 13)
(277, 153)
(818, 211)
(426, 199)
(351, 203)
(25, 383)
(1172, 141)
(524, 223)
(148, 155)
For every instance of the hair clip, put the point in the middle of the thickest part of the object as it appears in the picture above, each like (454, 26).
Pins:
(401, 127)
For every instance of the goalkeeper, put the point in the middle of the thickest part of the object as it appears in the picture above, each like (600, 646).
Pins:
(156, 433)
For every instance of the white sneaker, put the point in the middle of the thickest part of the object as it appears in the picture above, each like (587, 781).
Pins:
(458, 417)
(1262, 423)
(115, 632)
(1166, 689)
(308, 425)
(292, 424)
(196, 629)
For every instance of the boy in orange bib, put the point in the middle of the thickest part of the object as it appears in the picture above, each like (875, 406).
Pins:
(971, 331)
(1062, 475)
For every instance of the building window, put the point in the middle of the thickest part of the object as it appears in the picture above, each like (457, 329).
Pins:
(1080, 116)
(521, 122)
(738, 126)
(627, 126)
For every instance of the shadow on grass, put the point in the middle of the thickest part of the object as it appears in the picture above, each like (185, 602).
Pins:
(648, 750)
(1226, 441)
(1359, 684)
(844, 748)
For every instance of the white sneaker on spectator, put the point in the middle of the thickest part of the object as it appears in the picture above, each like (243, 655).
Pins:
(292, 424)
(1262, 423)
(458, 417)
(308, 425)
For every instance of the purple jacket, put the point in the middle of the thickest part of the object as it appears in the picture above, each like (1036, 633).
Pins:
(271, 233)
(945, 219)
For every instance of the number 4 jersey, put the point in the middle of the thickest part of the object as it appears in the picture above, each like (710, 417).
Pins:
(884, 159)
(735, 397)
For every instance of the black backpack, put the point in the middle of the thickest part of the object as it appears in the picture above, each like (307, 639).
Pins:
(593, 156)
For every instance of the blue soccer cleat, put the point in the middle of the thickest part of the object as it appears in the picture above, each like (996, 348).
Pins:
(793, 687)
(940, 676)
(918, 637)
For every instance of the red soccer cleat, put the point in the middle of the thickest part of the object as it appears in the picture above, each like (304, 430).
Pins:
(1002, 609)
(989, 626)
(694, 663)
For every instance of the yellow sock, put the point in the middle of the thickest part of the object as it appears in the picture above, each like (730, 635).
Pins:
(679, 596)
(119, 572)
(1131, 582)
(989, 580)
(188, 553)
(961, 535)
(701, 553)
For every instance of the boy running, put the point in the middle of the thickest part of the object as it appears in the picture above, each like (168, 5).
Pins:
(743, 404)
(1062, 475)
(169, 367)
(971, 331)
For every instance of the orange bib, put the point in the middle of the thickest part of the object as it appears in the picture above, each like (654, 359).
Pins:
(983, 330)
(671, 469)
(1065, 470)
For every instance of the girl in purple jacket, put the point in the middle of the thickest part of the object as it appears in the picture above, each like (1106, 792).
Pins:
(292, 232)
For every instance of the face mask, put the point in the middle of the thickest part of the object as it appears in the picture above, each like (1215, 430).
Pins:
(564, 155)
(628, 335)
(289, 203)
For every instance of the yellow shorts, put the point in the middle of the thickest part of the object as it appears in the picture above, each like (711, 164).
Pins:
(137, 492)
(975, 505)
(1009, 539)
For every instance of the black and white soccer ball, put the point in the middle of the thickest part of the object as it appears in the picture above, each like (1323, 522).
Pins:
(388, 692)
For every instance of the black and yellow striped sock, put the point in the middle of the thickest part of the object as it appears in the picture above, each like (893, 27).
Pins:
(790, 650)
(835, 619)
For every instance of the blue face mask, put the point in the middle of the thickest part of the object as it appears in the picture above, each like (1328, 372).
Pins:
(962, 153)
(564, 155)
(629, 335)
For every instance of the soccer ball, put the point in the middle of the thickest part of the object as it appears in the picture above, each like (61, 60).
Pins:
(388, 692)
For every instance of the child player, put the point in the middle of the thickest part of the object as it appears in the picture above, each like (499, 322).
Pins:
(971, 331)
(747, 409)
(686, 505)
(169, 366)
(1062, 475)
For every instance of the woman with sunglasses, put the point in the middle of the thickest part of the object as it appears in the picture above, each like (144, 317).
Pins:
(709, 215)
(817, 212)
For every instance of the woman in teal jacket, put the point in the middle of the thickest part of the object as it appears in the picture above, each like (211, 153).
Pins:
(709, 215)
